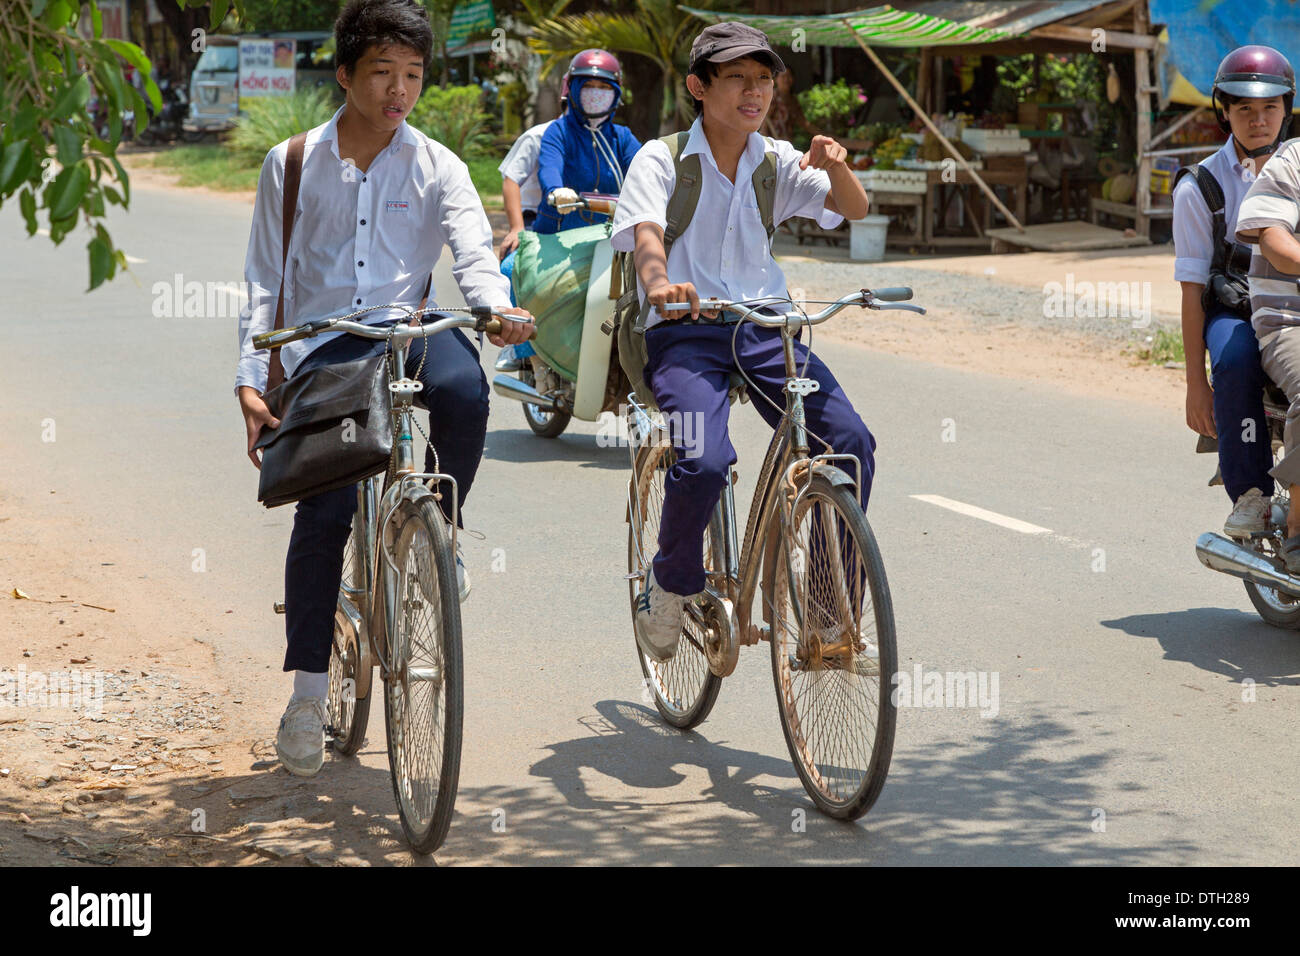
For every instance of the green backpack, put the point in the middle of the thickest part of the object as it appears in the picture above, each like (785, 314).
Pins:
(630, 314)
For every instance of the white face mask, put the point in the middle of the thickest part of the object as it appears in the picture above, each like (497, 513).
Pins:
(595, 102)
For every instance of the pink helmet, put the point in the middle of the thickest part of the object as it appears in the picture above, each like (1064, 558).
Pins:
(600, 64)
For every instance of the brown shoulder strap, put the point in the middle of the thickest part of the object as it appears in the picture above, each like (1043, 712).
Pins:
(292, 179)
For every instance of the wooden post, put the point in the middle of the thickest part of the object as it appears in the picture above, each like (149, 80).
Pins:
(925, 117)
(1142, 77)
(924, 75)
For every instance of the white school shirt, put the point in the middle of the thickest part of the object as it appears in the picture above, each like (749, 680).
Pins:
(361, 239)
(520, 165)
(1193, 227)
(724, 251)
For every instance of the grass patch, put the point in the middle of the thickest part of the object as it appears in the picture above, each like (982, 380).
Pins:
(487, 179)
(210, 165)
(219, 167)
(1165, 347)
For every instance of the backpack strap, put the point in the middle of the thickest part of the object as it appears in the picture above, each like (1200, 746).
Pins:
(686, 190)
(292, 180)
(764, 180)
(1224, 249)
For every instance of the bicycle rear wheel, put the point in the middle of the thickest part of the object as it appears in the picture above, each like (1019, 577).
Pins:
(831, 607)
(423, 691)
(349, 714)
(683, 687)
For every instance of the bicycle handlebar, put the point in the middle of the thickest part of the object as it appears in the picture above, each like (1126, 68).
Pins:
(593, 202)
(879, 299)
(480, 319)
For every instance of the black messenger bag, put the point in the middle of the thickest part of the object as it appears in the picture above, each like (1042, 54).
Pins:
(335, 430)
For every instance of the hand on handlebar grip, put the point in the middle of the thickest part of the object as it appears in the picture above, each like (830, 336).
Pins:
(513, 327)
(562, 196)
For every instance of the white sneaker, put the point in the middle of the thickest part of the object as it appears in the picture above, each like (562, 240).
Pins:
(658, 621)
(1250, 514)
(300, 743)
(462, 575)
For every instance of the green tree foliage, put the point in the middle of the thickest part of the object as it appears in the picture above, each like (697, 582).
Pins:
(831, 106)
(270, 120)
(264, 15)
(454, 116)
(655, 29)
(53, 162)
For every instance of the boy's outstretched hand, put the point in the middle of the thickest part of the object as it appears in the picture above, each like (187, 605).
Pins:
(513, 333)
(823, 153)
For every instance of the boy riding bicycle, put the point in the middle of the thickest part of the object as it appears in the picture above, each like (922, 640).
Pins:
(377, 202)
(724, 253)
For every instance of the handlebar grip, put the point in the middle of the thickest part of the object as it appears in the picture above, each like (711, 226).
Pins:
(492, 326)
(899, 294)
(278, 337)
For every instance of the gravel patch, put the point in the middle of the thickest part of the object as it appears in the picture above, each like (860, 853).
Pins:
(982, 300)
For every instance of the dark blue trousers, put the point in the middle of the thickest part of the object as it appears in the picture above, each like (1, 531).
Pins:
(1238, 401)
(689, 370)
(456, 394)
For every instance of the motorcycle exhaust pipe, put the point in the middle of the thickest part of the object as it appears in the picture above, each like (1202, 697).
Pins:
(1223, 554)
(508, 387)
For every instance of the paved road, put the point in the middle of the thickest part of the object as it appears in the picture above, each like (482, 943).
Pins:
(1120, 660)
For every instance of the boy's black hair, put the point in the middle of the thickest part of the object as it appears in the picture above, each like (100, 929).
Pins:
(366, 23)
(1227, 99)
(706, 70)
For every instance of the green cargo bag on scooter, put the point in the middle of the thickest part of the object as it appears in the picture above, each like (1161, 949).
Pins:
(550, 281)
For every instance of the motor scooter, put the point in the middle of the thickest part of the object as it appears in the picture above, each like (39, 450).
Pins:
(1257, 559)
(552, 397)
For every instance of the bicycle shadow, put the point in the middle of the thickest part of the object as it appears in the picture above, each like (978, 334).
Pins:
(1017, 794)
(1236, 644)
(521, 446)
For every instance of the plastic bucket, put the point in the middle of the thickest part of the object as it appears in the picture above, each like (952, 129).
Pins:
(867, 238)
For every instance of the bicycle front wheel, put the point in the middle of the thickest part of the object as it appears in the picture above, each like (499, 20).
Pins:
(683, 687)
(423, 690)
(833, 651)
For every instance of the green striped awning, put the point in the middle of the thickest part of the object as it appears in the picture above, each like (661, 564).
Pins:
(878, 26)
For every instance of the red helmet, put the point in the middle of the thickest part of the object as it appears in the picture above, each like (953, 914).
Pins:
(600, 64)
(1254, 72)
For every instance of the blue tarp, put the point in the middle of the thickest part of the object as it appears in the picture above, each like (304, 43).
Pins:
(1201, 34)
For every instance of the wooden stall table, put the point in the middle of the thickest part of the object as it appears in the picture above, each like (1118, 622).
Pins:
(914, 203)
(936, 203)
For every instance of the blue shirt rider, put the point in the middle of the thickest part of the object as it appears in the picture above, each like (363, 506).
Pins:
(585, 150)
(582, 151)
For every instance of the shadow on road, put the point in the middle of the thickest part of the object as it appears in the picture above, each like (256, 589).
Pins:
(1236, 644)
(521, 446)
(989, 798)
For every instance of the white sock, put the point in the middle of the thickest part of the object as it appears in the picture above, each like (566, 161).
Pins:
(307, 684)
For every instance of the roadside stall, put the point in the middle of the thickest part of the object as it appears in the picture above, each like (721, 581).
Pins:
(949, 178)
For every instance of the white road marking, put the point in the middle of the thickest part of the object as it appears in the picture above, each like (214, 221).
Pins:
(131, 258)
(972, 511)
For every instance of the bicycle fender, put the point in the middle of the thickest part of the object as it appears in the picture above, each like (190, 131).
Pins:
(835, 475)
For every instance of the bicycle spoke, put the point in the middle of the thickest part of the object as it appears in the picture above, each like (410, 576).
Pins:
(827, 665)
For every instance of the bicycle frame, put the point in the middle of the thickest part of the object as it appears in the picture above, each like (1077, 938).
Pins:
(727, 599)
(373, 528)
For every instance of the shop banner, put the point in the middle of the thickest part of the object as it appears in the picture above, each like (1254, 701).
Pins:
(266, 67)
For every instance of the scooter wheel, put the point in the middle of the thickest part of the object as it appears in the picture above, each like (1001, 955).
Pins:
(544, 424)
